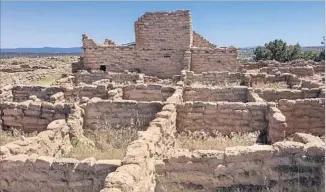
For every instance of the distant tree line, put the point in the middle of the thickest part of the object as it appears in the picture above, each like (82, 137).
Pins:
(278, 50)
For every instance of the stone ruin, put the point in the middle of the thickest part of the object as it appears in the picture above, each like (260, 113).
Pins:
(172, 80)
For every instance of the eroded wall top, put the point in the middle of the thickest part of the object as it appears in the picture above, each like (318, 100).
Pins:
(164, 30)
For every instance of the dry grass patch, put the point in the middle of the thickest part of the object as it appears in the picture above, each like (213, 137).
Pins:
(13, 135)
(49, 80)
(108, 143)
(216, 141)
(277, 85)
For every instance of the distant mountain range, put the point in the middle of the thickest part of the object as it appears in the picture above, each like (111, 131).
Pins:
(42, 50)
(79, 50)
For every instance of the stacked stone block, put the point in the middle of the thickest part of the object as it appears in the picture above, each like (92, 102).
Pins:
(223, 117)
(143, 92)
(32, 116)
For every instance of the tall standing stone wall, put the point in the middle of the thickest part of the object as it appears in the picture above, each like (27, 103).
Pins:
(164, 30)
(214, 59)
(161, 40)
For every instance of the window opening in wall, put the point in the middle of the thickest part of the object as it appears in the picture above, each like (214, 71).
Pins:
(137, 70)
(103, 68)
(167, 55)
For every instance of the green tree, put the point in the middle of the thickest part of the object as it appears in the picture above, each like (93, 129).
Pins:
(277, 50)
(321, 56)
(261, 53)
(310, 55)
(293, 52)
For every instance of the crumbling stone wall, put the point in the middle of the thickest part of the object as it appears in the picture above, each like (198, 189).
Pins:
(277, 127)
(200, 41)
(120, 113)
(283, 166)
(319, 68)
(270, 94)
(90, 77)
(310, 84)
(6, 93)
(89, 91)
(253, 97)
(23, 92)
(115, 58)
(213, 78)
(54, 142)
(150, 92)
(290, 79)
(230, 94)
(304, 115)
(162, 49)
(43, 173)
(138, 171)
(299, 71)
(273, 63)
(217, 59)
(225, 117)
(32, 116)
(164, 30)
(79, 65)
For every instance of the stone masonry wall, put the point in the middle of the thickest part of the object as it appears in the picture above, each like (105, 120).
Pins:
(164, 30)
(230, 94)
(151, 92)
(200, 41)
(213, 78)
(115, 58)
(217, 59)
(295, 63)
(283, 166)
(271, 94)
(90, 77)
(304, 115)
(23, 92)
(22, 173)
(138, 172)
(290, 79)
(299, 71)
(120, 113)
(54, 142)
(32, 116)
(224, 117)
(77, 92)
(163, 63)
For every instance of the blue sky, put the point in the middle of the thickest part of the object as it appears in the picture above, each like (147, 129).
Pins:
(60, 24)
